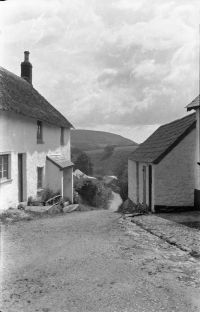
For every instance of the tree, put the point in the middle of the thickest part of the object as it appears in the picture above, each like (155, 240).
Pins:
(122, 174)
(108, 151)
(84, 164)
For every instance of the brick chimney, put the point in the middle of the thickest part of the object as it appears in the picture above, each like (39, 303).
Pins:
(26, 68)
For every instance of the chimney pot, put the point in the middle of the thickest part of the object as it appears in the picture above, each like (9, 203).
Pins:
(26, 56)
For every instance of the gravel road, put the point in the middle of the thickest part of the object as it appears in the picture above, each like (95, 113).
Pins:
(94, 261)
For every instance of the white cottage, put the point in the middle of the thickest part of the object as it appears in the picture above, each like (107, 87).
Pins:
(195, 105)
(162, 172)
(34, 141)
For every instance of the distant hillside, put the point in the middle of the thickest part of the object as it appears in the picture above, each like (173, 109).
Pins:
(111, 165)
(87, 140)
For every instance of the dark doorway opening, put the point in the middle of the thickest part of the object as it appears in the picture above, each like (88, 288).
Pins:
(21, 177)
(150, 187)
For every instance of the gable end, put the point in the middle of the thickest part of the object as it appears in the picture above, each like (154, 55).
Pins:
(173, 145)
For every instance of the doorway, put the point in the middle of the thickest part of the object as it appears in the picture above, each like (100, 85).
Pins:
(150, 187)
(144, 186)
(21, 177)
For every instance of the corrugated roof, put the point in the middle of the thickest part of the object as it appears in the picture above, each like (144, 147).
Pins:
(61, 161)
(164, 139)
(19, 96)
(194, 104)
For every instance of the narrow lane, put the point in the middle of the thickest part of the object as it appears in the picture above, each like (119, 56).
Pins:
(93, 261)
(115, 202)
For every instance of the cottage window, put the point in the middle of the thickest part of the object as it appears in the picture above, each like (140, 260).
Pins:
(4, 167)
(40, 177)
(39, 132)
(62, 136)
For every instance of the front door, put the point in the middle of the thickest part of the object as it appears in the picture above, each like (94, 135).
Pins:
(20, 177)
(150, 187)
(144, 186)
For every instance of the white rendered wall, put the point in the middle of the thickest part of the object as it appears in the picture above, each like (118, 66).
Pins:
(132, 182)
(175, 175)
(141, 183)
(18, 135)
(53, 177)
(197, 159)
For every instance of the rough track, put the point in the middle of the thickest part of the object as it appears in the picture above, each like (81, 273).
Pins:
(94, 261)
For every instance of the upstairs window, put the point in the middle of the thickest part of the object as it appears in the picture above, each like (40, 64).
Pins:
(40, 177)
(62, 136)
(4, 167)
(39, 132)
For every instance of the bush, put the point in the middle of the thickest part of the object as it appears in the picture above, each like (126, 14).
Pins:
(108, 151)
(130, 207)
(122, 175)
(83, 163)
(33, 202)
(93, 193)
(47, 194)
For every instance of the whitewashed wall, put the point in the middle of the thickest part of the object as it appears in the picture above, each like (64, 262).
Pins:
(18, 134)
(53, 177)
(175, 175)
(132, 182)
(197, 170)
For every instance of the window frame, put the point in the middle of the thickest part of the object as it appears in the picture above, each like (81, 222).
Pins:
(62, 136)
(40, 132)
(40, 177)
(8, 169)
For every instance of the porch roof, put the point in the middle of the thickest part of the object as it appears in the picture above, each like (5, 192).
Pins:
(60, 161)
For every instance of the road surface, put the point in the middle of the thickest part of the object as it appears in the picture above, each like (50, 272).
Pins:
(94, 261)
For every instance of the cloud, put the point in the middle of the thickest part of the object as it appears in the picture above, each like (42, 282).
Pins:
(119, 64)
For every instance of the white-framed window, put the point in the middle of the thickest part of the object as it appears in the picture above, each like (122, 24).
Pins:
(4, 167)
(40, 171)
(39, 132)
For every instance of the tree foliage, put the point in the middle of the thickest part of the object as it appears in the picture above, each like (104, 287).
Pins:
(108, 151)
(93, 192)
(84, 164)
(121, 171)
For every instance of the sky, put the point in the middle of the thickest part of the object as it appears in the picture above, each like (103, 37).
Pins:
(123, 66)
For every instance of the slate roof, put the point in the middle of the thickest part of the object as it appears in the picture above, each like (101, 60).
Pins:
(163, 140)
(19, 96)
(194, 104)
(60, 161)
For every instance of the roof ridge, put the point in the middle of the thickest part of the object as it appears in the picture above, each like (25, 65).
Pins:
(164, 139)
(19, 96)
(178, 119)
(16, 76)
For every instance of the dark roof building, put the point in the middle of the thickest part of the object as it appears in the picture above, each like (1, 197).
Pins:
(163, 140)
(17, 95)
(194, 104)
